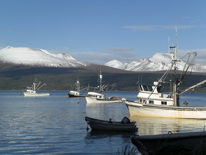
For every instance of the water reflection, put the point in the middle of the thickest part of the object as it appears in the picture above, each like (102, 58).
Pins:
(107, 111)
(95, 134)
(108, 141)
(151, 126)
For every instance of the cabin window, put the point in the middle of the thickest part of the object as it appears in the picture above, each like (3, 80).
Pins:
(149, 88)
(145, 88)
(164, 103)
(158, 89)
(140, 88)
(151, 102)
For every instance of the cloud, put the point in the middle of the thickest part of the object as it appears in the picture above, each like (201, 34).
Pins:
(119, 53)
(158, 27)
(118, 50)
(128, 55)
(103, 57)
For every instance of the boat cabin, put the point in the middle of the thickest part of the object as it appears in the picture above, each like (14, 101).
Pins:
(96, 95)
(149, 88)
(74, 92)
(151, 94)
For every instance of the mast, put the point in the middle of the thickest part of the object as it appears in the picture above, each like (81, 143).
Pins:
(78, 86)
(100, 82)
(173, 52)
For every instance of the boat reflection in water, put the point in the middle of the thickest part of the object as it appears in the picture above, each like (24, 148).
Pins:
(105, 134)
(153, 126)
(158, 135)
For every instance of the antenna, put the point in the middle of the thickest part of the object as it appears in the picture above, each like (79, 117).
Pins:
(176, 41)
(168, 44)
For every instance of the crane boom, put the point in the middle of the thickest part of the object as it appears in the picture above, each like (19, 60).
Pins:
(200, 83)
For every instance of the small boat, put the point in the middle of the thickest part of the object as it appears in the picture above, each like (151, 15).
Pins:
(95, 97)
(153, 103)
(124, 125)
(150, 144)
(100, 97)
(31, 91)
(76, 93)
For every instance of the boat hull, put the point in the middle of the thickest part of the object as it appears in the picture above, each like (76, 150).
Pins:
(149, 144)
(36, 94)
(73, 95)
(91, 100)
(96, 124)
(151, 110)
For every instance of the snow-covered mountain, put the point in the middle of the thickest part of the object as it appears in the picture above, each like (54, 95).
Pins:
(114, 64)
(158, 62)
(38, 57)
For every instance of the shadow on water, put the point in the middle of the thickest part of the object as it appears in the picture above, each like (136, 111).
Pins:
(96, 134)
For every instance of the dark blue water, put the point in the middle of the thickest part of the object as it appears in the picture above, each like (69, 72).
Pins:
(56, 125)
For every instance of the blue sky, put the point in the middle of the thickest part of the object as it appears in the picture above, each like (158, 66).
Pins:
(98, 31)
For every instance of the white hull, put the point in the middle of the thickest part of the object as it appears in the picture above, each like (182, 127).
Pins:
(149, 110)
(91, 100)
(26, 94)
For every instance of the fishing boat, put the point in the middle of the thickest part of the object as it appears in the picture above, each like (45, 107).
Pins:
(124, 125)
(76, 93)
(100, 97)
(153, 103)
(31, 91)
(150, 144)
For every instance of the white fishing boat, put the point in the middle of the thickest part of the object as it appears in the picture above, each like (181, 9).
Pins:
(76, 93)
(100, 97)
(152, 103)
(124, 125)
(152, 144)
(31, 91)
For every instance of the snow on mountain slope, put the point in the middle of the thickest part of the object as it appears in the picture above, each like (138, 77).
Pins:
(158, 62)
(38, 57)
(114, 64)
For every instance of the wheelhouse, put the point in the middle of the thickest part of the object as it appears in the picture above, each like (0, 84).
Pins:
(151, 94)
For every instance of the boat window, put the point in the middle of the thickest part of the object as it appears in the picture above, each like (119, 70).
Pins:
(151, 102)
(140, 88)
(145, 88)
(140, 100)
(149, 88)
(158, 89)
(164, 103)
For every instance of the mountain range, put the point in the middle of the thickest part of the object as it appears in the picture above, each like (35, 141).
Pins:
(19, 66)
(158, 62)
(40, 57)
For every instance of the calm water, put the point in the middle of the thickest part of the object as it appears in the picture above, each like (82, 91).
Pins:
(56, 125)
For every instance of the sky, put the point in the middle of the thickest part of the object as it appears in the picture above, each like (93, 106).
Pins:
(98, 31)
